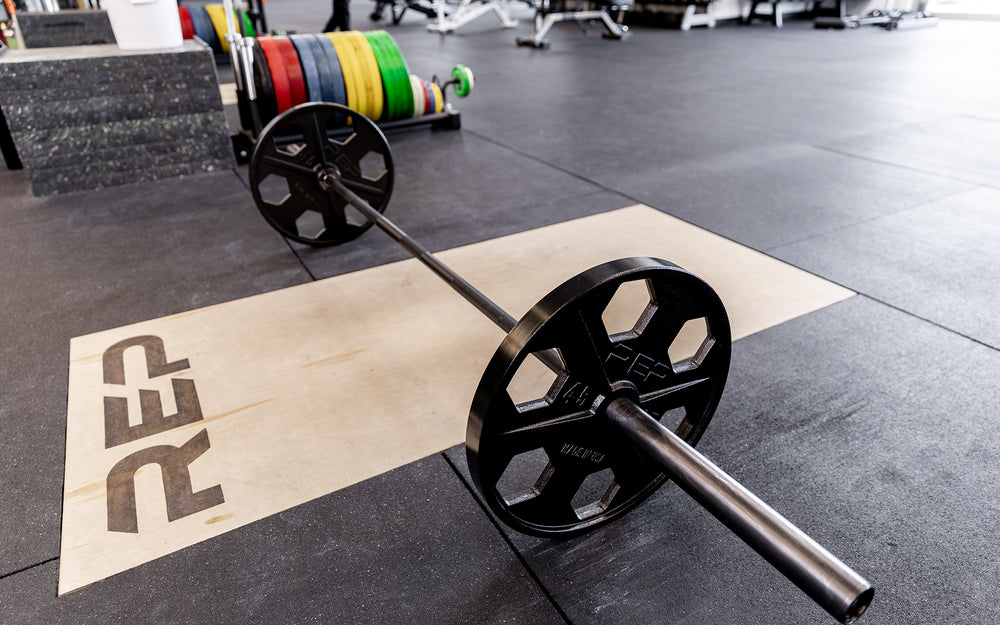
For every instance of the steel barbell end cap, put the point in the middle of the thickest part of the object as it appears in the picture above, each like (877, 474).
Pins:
(859, 606)
(326, 176)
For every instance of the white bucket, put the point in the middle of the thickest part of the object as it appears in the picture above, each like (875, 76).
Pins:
(145, 24)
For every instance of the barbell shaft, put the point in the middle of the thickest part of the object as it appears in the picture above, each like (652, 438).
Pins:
(473, 295)
(821, 575)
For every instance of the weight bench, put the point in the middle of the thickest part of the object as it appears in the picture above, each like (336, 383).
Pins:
(697, 13)
(549, 12)
(398, 7)
(888, 18)
(467, 11)
(774, 16)
(662, 13)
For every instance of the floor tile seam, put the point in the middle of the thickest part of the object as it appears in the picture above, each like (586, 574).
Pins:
(510, 544)
(774, 249)
(295, 253)
(635, 200)
(908, 168)
(568, 172)
(936, 324)
(877, 300)
(4, 576)
(244, 182)
(299, 258)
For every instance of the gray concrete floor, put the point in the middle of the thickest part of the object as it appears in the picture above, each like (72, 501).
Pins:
(867, 157)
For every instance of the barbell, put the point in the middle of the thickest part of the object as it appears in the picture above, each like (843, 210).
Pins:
(601, 415)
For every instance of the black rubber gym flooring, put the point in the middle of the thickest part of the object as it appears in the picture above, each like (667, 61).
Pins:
(869, 158)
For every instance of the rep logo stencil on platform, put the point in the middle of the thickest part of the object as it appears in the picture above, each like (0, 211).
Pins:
(174, 462)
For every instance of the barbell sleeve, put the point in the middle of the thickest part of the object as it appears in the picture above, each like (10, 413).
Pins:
(829, 582)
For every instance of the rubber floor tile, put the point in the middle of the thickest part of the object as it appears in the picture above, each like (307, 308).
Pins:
(938, 261)
(410, 546)
(871, 430)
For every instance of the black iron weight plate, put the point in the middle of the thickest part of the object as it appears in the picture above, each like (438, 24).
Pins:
(293, 160)
(560, 441)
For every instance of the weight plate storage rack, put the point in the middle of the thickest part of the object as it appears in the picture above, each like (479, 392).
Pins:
(362, 71)
(208, 23)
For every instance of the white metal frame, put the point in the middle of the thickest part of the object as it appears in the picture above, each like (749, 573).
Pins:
(544, 21)
(467, 11)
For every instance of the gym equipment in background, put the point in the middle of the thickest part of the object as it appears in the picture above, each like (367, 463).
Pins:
(888, 18)
(208, 22)
(445, 19)
(610, 388)
(467, 11)
(364, 71)
(397, 8)
(550, 12)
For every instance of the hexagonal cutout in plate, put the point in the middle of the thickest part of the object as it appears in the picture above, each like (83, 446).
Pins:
(310, 224)
(691, 345)
(629, 310)
(594, 494)
(274, 189)
(672, 418)
(353, 217)
(372, 166)
(532, 383)
(525, 476)
(290, 149)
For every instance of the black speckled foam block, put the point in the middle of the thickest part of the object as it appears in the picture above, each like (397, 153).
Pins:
(65, 28)
(88, 117)
(873, 431)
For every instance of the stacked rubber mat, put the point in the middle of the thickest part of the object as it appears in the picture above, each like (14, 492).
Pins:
(363, 71)
(208, 22)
